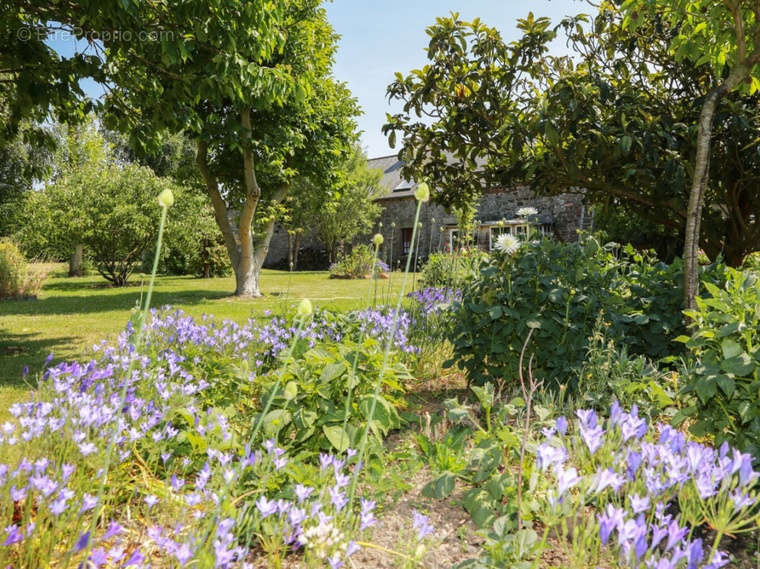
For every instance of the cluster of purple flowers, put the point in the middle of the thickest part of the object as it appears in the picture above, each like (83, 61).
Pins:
(317, 520)
(433, 300)
(262, 341)
(379, 323)
(645, 482)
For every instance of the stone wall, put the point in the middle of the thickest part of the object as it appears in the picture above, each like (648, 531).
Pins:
(564, 212)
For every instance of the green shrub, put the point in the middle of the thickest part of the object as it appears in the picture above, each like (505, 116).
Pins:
(561, 290)
(452, 270)
(752, 262)
(610, 373)
(309, 409)
(725, 343)
(17, 280)
(355, 265)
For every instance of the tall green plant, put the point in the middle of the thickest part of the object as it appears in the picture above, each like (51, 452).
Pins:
(725, 342)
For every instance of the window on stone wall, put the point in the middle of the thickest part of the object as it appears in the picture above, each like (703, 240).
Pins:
(406, 240)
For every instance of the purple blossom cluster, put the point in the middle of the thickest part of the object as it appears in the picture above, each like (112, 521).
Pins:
(381, 322)
(317, 520)
(433, 300)
(138, 404)
(263, 341)
(645, 482)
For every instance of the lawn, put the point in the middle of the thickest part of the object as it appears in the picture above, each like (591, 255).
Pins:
(71, 314)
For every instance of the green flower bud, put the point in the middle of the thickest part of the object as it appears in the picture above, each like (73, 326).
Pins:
(166, 198)
(422, 193)
(304, 308)
(377, 239)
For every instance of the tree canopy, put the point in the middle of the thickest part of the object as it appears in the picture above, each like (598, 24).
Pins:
(251, 86)
(617, 119)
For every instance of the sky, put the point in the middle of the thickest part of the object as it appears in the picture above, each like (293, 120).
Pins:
(381, 37)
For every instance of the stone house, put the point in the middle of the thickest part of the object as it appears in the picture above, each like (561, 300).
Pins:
(560, 216)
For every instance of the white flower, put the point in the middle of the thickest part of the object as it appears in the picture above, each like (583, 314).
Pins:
(526, 211)
(507, 243)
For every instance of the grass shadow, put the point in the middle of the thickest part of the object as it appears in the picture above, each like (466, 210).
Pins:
(18, 350)
(96, 301)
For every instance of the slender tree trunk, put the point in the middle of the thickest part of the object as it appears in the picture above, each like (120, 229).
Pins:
(76, 261)
(699, 183)
(291, 262)
(296, 247)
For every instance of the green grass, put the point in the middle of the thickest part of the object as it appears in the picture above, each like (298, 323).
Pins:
(72, 314)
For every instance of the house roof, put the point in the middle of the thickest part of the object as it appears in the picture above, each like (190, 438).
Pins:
(397, 186)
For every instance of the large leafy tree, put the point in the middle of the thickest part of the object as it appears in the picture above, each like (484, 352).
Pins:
(617, 120)
(621, 122)
(725, 35)
(250, 84)
(460, 110)
(36, 80)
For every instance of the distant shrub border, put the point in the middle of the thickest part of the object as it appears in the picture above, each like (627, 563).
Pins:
(17, 279)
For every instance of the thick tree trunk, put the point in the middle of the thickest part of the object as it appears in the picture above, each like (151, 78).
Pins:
(699, 183)
(245, 258)
(76, 261)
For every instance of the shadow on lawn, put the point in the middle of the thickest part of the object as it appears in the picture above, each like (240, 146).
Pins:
(95, 300)
(25, 349)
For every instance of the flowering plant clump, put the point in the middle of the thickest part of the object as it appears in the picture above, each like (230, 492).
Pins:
(435, 299)
(658, 499)
(173, 457)
(315, 519)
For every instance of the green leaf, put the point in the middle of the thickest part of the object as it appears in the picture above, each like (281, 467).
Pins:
(740, 366)
(726, 384)
(291, 391)
(730, 348)
(275, 420)
(705, 388)
(331, 371)
(440, 487)
(337, 436)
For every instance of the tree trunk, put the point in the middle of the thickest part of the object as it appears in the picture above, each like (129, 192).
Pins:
(699, 183)
(296, 247)
(291, 263)
(76, 261)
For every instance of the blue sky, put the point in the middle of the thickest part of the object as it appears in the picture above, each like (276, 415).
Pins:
(381, 37)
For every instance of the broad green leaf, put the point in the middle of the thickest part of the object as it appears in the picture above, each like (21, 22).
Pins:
(730, 348)
(440, 487)
(337, 436)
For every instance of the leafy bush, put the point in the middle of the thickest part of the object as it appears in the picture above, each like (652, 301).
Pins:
(17, 280)
(355, 265)
(325, 394)
(452, 270)
(752, 262)
(611, 374)
(561, 290)
(725, 342)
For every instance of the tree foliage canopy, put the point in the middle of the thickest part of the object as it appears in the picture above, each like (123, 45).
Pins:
(617, 118)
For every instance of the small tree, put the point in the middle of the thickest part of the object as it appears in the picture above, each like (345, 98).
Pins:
(725, 35)
(110, 210)
(342, 212)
